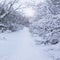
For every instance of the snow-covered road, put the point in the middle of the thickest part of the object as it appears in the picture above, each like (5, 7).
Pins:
(20, 46)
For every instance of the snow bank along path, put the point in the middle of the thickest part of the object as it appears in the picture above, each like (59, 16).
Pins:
(20, 46)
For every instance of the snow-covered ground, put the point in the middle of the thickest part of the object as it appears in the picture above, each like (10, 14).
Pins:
(21, 46)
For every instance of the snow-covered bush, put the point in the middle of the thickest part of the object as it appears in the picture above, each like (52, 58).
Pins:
(47, 30)
(47, 27)
(54, 6)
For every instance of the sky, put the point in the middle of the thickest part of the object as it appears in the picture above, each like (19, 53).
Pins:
(26, 6)
(31, 1)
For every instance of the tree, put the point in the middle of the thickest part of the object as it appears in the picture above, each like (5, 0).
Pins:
(10, 17)
(47, 26)
(54, 6)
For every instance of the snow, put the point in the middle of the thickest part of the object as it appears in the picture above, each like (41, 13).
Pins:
(20, 45)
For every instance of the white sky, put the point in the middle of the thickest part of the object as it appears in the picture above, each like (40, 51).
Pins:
(24, 2)
(25, 5)
(27, 10)
(27, 1)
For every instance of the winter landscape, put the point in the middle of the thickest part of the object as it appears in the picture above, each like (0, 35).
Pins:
(29, 29)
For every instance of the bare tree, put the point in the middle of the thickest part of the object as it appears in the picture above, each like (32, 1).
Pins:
(9, 17)
(9, 7)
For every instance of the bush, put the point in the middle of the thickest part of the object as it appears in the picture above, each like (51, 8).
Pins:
(46, 27)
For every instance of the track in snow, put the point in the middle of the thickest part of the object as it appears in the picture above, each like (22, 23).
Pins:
(20, 46)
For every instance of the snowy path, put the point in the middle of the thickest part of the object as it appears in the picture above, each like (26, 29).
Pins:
(20, 46)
